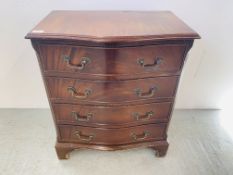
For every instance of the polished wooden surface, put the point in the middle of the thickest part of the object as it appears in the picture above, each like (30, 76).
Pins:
(109, 26)
(111, 83)
(102, 136)
(112, 116)
(157, 59)
(111, 91)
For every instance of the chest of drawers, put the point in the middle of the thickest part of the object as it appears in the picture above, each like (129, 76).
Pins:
(111, 77)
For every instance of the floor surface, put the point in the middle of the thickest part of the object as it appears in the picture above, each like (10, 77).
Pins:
(200, 144)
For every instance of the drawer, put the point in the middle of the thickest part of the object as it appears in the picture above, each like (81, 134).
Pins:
(156, 59)
(103, 136)
(111, 91)
(112, 115)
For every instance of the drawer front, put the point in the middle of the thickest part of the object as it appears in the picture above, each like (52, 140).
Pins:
(112, 136)
(115, 115)
(112, 61)
(111, 91)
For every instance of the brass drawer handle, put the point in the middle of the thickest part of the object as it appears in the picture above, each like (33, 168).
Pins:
(151, 92)
(79, 66)
(78, 95)
(156, 63)
(80, 118)
(140, 137)
(85, 138)
(146, 116)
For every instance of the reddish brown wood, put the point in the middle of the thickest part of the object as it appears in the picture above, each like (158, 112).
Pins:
(146, 50)
(112, 91)
(103, 136)
(113, 61)
(63, 148)
(161, 149)
(110, 26)
(110, 45)
(112, 116)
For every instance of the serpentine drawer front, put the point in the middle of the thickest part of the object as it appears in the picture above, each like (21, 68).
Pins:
(111, 87)
(129, 60)
(112, 116)
(111, 91)
(102, 136)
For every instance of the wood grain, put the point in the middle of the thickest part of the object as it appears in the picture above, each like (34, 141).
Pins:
(112, 91)
(112, 26)
(104, 136)
(112, 116)
(102, 68)
(113, 61)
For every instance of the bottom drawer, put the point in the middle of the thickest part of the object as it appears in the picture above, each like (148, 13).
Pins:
(104, 136)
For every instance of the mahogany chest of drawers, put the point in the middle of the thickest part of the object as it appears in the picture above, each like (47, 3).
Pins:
(111, 77)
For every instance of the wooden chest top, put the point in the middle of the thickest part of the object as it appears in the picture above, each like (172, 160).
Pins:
(112, 26)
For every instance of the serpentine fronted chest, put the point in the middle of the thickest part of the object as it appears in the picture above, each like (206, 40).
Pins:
(111, 77)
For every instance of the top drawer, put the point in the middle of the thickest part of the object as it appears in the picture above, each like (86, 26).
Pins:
(79, 60)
